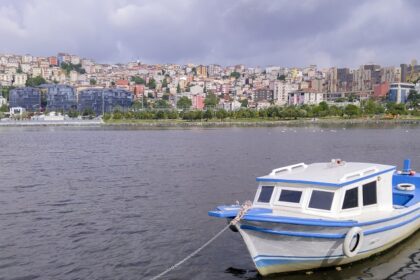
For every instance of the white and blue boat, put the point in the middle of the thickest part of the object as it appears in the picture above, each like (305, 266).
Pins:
(307, 216)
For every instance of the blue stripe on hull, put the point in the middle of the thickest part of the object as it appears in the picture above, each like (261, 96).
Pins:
(326, 235)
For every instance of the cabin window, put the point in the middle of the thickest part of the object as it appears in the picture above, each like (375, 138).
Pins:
(290, 196)
(369, 193)
(351, 198)
(265, 194)
(321, 200)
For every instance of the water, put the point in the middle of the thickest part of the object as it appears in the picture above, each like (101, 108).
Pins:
(93, 203)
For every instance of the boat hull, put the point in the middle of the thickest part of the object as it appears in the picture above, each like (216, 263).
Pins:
(281, 247)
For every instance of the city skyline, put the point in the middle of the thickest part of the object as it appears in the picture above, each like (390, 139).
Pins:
(263, 33)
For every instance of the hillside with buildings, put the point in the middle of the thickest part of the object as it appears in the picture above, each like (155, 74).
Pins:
(70, 83)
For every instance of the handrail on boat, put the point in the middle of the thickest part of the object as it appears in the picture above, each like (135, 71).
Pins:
(288, 168)
(359, 174)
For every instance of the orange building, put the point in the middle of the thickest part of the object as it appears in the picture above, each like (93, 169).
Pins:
(53, 61)
(380, 90)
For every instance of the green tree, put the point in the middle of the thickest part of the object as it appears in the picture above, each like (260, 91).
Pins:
(184, 103)
(19, 69)
(413, 98)
(178, 88)
(73, 113)
(208, 114)
(138, 80)
(211, 100)
(221, 114)
(235, 75)
(4, 108)
(161, 104)
(164, 83)
(244, 103)
(281, 77)
(35, 81)
(92, 82)
(351, 110)
(151, 84)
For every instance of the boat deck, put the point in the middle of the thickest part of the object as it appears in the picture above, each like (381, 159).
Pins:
(406, 198)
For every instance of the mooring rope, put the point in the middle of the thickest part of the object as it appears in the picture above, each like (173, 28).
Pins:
(244, 208)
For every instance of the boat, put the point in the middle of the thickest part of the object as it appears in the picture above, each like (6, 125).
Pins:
(307, 216)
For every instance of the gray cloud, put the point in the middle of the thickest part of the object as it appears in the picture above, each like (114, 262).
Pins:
(253, 32)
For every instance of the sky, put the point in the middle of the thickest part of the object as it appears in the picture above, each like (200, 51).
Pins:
(344, 33)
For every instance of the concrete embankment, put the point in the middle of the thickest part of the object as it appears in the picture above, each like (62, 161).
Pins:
(51, 123)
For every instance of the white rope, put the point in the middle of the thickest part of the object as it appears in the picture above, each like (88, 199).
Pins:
(244, 208)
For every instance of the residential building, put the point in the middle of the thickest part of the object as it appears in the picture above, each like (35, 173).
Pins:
(197, 101)
(20, 80)
(301, 97)
(263, 95)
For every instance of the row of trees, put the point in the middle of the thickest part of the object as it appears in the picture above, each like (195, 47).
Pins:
(367, 108)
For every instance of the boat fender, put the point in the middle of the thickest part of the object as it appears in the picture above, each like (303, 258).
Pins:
(233, 228)
(353, 242)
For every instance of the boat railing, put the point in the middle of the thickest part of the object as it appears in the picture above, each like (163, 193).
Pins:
(359, 174)
(289, 168)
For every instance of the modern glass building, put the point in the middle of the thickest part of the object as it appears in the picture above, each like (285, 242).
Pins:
(60, 97)
(27, 97)
(104, 100)
(398, 92)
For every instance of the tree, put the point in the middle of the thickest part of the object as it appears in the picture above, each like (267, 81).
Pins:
(164, 83)
(19, 69)
(244, 103)
(73, 113)
(178, 88)
(235, 75)
(92, 82)
(4, 108)
(184, 103)
(208, 114)
(138, 80)
(161, 104)
(413, 98)
(221, 114)
(151, 84)
(35, 81)
(281, 77)
(351, 110)
(211, 100)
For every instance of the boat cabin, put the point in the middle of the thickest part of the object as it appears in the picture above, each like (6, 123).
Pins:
(335, 189)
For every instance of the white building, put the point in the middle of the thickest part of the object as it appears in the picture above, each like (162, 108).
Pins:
(301, 97)
(20, 80)
(281, 92)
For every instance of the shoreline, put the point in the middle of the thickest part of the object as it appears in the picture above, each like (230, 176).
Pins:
(211, 124)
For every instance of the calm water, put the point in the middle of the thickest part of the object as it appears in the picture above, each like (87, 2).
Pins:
(92, 203)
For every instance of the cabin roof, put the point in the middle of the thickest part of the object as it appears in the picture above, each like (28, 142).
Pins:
(330, 174)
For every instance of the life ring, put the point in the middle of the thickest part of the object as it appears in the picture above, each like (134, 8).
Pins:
(406, 187)
(353, 242)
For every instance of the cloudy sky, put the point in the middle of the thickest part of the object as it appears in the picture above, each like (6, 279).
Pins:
(252, 32)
